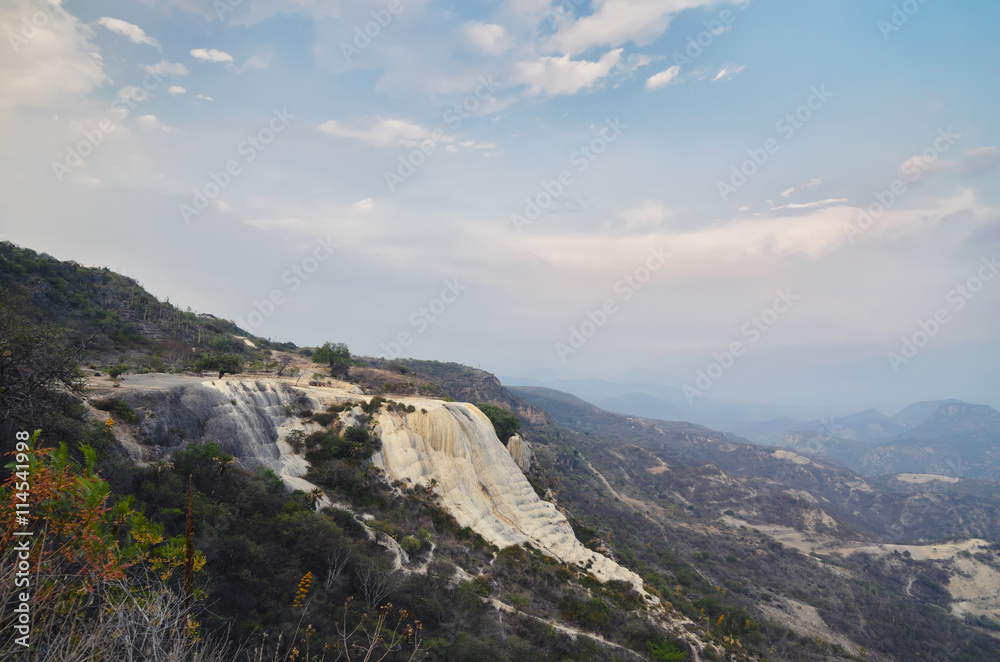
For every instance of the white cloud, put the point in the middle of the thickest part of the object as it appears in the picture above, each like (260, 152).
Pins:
(812, 205)
(148, 122)
(57, 61)
(811, 185)
(152, 123)
(642, 219)
(211, 55)
(176, 89)
(258, 61)
(728, 72)
(561, 75)
(132, 32)
(615, 22)
(663, 78)
(167, 67)
(974, 162)
(487, 37)
(205, 97)
(365, 204)
(378, 131)
(980, 160)
(808, 232)
(130, 92)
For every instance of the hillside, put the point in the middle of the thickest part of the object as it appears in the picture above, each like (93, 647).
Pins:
(627, 538)
(958, 439)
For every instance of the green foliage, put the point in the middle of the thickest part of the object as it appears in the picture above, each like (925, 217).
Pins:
(666, 650)
(224, 363)
(505, 422)
(592, 613)
(336, 355)
(373, 405)
(410, 545)
(118, 370)
(323, 418)
(119, 408)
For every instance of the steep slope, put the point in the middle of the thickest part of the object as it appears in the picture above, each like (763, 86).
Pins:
(451, 446)
(798, 540)
(113, 315)
(883, 510)
(454, 444)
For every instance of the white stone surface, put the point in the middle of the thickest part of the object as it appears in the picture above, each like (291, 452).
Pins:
(480, 484)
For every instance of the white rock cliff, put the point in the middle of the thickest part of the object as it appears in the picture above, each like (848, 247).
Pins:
(453, 444)
(479, 483)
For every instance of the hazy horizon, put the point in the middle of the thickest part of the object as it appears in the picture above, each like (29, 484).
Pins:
(763, 202)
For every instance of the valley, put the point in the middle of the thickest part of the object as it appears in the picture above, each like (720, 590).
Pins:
(575, 533)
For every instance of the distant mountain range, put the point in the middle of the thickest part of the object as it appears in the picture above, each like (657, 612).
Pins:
(667, 403)
(947, 438)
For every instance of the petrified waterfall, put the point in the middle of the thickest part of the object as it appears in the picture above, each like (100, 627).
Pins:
(453, 444)
(479, 483)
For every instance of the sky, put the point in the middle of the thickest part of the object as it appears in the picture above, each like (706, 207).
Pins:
(768, 201)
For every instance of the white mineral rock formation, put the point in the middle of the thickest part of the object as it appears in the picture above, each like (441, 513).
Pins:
(479, 483)
(520, 452)
(454, 444)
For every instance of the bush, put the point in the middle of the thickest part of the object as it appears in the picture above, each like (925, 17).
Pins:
(119, 408)
(224, 363)
(336, 355)
(118, 370)
(323, 418)
(666, 650)
(505, 422)
(410, 545)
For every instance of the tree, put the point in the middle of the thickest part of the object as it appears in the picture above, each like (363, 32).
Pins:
(505, 422)
(378, 579)
(315, 496)
(336, 355)
(224, 363)
(284, 361)
(118, 370)
(37, 371)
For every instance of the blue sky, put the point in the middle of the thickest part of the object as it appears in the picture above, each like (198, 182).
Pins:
(489, 105)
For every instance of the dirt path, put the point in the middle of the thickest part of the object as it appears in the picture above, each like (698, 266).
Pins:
(571, 631)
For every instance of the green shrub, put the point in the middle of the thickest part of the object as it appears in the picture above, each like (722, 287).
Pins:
(505, 422)
(119, 408)
(224, 363)
(323, 419)
(410, 545)
(666, 650)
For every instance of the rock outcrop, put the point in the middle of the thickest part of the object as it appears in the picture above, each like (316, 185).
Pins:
(479, 483)
(452, 444)
(520, 452)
